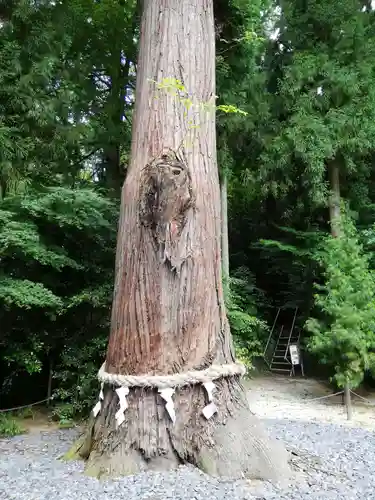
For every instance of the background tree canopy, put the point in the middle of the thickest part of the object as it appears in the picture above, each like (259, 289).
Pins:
(302, 72)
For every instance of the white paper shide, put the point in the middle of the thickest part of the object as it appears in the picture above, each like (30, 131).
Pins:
(122, 392)
(167, 394)
(209, 410)
(98, 406)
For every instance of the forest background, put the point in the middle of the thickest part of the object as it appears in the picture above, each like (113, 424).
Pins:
(296, 168)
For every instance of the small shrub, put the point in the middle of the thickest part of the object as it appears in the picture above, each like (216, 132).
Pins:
(77, 378)
(247, 329)
(9, 427)
(244, 356)
(64, 413)
(26, 413)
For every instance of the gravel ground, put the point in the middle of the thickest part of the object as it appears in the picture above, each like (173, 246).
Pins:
(295, 399)
(337, 462)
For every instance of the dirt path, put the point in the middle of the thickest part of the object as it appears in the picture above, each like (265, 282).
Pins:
(292, 398)
(40, 422)
(276, 397)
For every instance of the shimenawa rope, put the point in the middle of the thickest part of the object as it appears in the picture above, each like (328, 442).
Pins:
(211, 373)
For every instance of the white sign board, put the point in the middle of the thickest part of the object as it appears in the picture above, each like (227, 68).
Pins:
(294, 354)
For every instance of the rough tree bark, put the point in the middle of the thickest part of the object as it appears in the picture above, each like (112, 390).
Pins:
(168, 312)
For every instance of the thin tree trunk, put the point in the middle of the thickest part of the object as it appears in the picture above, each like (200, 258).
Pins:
(348, 402)
(168, 312)
(335, 220)
(116, 109)
(117, 105)
(50, 376)
(224, 227)
(111, 154)
(3, 187)
(334, 199)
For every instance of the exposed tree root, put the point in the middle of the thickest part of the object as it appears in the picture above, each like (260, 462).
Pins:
(74, 452)
(231, 444)
(82, 447)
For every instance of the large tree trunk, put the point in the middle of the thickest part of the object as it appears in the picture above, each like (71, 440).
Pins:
(168, 312)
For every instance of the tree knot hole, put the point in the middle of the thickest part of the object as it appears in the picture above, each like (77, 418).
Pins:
(166, 196)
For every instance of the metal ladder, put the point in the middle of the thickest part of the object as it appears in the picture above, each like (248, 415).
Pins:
(280, 361)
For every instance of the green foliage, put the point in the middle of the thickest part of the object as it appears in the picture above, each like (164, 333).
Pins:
(64, 414)
(248, 331)
(311, 100)
(344, 332)
(175, 88)
(26, 294)
(35, 99)
(230, 108)
(77, 377)
(245, 356)
(323, 98)
(25, 413)
(56, 248)
(66, 69)
(287, 106)
(291, 261)
(9, 427)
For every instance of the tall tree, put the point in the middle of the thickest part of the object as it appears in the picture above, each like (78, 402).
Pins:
(168, 313)
(323, 98)
(102, 55)
(325, 134)
(239, 28)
